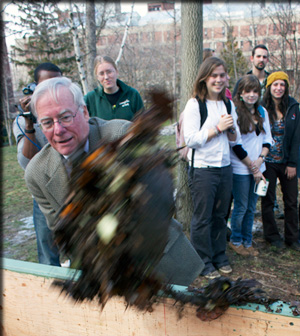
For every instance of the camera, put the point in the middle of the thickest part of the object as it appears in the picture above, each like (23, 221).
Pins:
(29, 89)
(26, 114)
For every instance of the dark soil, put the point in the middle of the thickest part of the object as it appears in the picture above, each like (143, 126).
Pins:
(278, 271)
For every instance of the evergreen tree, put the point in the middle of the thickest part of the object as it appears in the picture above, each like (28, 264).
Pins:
(233, 56)
(46, 38)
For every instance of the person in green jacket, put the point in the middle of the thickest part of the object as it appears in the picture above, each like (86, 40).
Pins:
(112, 99)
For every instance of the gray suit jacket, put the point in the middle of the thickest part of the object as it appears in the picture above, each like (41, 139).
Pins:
(46, 175)
(47, 180)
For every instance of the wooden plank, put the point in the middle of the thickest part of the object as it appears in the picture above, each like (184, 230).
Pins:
(32, 307)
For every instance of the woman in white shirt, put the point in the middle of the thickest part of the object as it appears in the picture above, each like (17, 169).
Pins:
(210, 172)
(247, 162)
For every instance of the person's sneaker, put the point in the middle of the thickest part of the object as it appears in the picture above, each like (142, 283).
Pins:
(212, 275)
(252, 251)
(294, 246)
(225, 269)
(240, 249)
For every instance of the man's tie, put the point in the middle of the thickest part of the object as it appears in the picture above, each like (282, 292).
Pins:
(68, 166)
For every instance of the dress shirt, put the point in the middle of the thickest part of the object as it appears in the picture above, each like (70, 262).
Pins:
(252, 144)
(215, 152)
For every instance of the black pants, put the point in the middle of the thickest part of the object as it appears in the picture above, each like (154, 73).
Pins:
(289, 190)
(210, 191)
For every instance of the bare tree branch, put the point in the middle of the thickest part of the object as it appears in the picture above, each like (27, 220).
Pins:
(125, 35)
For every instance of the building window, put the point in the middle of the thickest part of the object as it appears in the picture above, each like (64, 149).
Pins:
(255, 29)
(152, 8)
(274, 28)
(223, 31)
(298, 43)
(242, 44)
(205, 32)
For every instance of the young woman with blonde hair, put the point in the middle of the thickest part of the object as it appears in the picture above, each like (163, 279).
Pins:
(112, 99)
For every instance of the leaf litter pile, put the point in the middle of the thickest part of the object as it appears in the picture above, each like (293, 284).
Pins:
(114, 224)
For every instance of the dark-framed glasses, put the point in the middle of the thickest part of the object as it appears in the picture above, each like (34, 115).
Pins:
(65, 119)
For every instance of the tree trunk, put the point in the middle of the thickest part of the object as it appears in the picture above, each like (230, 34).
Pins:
(176, 115)
(91, 48)
(78, 53)
(191, 54)
(6, 91)
(231, 39)
(7, 115)
(117, 7)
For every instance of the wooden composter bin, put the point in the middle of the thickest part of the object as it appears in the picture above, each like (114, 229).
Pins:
(32, 307)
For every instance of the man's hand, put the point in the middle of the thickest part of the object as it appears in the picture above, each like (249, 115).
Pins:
(290, 172)
(25, 102)
(25, 105)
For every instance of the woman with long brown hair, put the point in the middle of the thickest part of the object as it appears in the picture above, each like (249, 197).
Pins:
(247, 160)
(210, 173)
(281, 162)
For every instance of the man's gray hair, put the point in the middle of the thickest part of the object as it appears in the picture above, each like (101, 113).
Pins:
(52, 86)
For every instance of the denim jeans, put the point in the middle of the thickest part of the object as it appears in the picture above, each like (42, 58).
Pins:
(210, 191)
(243, 210)
(47, 251)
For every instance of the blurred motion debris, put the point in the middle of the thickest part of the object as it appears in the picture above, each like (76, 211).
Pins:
(114, 224)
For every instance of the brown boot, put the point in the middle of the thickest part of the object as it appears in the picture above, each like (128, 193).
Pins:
(251, 250)
(239, 249)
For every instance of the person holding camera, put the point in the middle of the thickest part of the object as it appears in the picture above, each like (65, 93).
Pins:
(30, 139)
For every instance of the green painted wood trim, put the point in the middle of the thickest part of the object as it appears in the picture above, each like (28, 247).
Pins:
(278, 308)
(40, 270)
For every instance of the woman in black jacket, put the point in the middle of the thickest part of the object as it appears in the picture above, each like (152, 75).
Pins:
(281, 162)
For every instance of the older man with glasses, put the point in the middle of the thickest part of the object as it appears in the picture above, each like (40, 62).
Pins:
(60, 109)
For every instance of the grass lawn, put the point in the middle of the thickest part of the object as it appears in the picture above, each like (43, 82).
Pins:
(18, 232)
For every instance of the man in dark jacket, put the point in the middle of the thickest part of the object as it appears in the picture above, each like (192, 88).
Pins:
(259, 59)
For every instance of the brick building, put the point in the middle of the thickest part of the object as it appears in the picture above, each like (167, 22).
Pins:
(153, 37)
(156, 29)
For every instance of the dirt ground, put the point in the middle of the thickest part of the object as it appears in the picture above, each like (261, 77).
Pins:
(278, 271)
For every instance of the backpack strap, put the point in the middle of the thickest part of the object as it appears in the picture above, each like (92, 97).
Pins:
(203, 111)
(228, 105)
(261, 111)
(203, 115)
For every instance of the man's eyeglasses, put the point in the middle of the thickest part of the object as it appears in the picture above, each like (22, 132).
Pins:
(66, 119)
